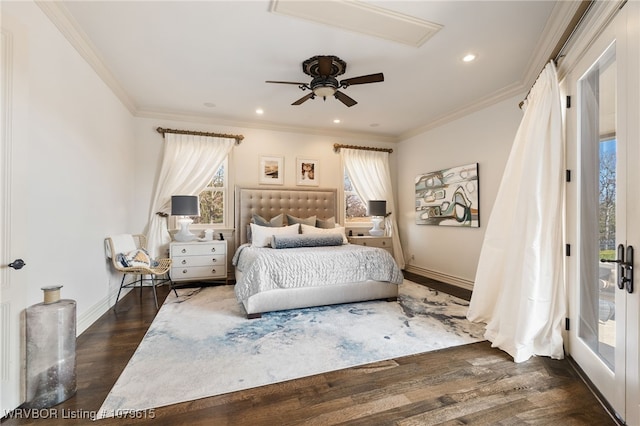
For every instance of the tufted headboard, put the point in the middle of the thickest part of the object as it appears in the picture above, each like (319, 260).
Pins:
(270, 202)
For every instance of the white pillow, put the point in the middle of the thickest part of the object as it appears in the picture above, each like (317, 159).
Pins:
(261, 235)
(310, 230)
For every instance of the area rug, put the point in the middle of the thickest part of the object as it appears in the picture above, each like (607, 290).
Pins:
(200, 344)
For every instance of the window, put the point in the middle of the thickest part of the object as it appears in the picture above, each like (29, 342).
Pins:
(213, 205)
(356, 210)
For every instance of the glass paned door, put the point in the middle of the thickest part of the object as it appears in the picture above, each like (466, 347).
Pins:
(597, 213)
(598, 154)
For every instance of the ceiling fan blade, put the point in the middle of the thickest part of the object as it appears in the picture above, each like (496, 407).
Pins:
(303, 99)
(324, 65)
(285, 82)
(344, 99)
(371, 78)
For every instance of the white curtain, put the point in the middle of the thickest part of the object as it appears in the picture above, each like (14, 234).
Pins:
(519, 287)
(370, 176)
(188, 164)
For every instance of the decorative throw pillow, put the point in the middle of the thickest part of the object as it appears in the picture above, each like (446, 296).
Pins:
(261, 235)
(274, 221)
(311, 220)
(326, 223)
(312, 230)
(135, 258)
(295, 241)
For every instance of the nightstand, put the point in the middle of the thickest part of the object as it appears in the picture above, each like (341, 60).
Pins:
(382, 242)
(199, 261)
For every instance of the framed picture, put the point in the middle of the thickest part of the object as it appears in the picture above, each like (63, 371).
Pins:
(307, 172)
(449, 197)
(272, 170)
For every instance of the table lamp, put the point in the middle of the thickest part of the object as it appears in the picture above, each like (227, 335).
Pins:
(378, 211)
(184, 205)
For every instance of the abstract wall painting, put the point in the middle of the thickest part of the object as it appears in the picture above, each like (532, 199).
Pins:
(449, 197)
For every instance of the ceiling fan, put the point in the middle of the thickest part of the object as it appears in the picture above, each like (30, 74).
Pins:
(324, 70)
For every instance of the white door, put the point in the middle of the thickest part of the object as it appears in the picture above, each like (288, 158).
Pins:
(602, 204)
(13, 146)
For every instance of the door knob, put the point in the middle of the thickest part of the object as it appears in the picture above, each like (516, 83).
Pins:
(625, 267)
(17, 264)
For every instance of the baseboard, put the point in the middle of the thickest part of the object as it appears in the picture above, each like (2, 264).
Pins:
(85, 320)
(439, 276)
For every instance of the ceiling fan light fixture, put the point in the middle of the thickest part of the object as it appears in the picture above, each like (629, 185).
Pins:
(324, 91)
(324, 86)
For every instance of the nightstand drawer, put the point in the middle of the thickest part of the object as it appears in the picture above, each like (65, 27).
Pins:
(213, 260)
(196, 249)
(198, 272)
(380, 242)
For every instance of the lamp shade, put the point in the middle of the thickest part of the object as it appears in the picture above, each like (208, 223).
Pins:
(377, 208)
(184, 205)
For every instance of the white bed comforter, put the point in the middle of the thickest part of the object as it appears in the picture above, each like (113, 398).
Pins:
(266, 269)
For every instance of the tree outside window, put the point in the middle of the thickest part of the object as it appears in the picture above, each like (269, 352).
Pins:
(356, 210)
(212, 199)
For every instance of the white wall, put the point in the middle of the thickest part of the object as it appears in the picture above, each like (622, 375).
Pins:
(485, 137)
(246, 157)
(80, 181)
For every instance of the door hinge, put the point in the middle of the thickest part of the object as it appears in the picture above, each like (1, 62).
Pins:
(568, 101)
(566, 324)
(567, 249)
(568, 176)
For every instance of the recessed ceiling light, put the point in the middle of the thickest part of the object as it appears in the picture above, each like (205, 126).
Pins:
(209, 104)
(259, 111)
(336, 121)
(469, 57)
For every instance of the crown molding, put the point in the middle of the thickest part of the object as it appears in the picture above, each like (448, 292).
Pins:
(507, 92)
(62, 19)
(561, 15)
(591, 26)
(262, 125)
(557, 24)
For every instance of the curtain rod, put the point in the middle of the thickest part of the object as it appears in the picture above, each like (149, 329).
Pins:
(337, 146)
(238, 138)
(558, 51)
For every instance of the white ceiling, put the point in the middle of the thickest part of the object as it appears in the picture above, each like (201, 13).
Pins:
(208, 60)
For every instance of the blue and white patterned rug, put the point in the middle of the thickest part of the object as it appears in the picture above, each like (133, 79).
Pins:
(201, 344)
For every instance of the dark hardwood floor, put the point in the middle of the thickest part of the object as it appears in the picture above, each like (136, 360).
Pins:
(471, 384)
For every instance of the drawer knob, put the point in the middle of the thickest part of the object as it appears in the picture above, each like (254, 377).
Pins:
(184, 271)
(213, 249)
(214, 260)
(213, 271)
(184, 262)
(184, 250)
(364, 243)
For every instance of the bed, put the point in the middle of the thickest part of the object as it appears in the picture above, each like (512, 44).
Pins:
(304, 276)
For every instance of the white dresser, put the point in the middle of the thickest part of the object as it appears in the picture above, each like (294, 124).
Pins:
(198, 261)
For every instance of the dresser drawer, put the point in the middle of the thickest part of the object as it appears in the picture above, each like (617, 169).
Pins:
(212, 260)
(198, 272)
(196, 249)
